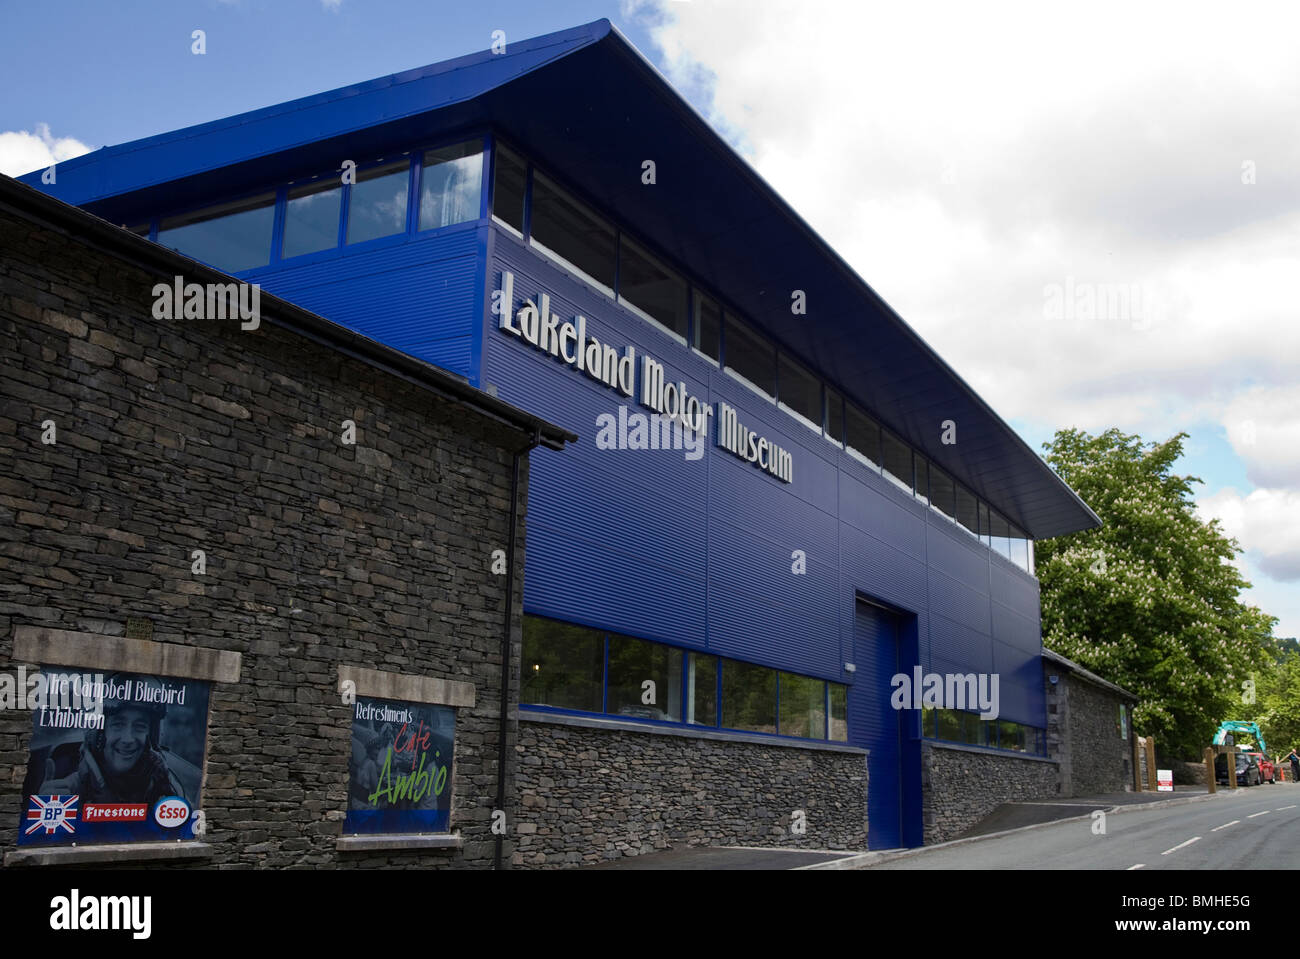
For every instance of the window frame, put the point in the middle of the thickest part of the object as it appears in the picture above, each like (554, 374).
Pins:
(418, 183)
(681, 722)
(156, 223)
(577, 198)
(350, 187)
(644, 251)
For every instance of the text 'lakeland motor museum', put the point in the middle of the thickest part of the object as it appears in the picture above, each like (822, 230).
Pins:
(781, 499)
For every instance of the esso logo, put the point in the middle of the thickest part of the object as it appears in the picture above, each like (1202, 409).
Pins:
(171, 812)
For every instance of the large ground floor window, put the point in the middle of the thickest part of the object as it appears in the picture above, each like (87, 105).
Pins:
(589, 670)
(959, 726)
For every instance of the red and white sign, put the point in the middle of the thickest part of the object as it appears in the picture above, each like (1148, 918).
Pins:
(115, 812)
(171, 812)
(1164, 780)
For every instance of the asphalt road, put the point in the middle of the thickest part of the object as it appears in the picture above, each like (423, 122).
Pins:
(1255, 828)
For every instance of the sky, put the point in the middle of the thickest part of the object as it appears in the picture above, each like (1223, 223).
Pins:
(1091, 212)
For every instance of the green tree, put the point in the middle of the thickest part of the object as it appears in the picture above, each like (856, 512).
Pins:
(1151, 599)
(1278, 709)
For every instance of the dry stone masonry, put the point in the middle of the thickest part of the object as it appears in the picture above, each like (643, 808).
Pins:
(180, 435)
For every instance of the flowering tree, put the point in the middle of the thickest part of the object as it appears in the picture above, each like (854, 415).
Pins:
(1278, 713)
(1150, 600)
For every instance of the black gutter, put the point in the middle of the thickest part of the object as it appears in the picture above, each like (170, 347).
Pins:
(504, 722)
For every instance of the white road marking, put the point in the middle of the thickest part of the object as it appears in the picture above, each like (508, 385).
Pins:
(1254, 814)
(1181, 845)
(1225, 825)
(1138, 866)
(1292, 806)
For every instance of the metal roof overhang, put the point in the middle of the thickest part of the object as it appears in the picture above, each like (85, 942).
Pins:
(585, 105)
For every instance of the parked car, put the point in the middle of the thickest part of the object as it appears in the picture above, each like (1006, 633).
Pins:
(1266, 770)
(1248, 771)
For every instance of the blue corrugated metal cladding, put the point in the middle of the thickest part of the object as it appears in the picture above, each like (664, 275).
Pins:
(698, 553)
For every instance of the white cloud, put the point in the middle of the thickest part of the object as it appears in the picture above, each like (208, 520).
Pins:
(965, 158)
(1263, 426)
(970, 159)
(1268, 520)
(22, 152)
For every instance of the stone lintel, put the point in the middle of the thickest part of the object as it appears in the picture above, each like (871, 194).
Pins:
(407, 687)
(62, 647)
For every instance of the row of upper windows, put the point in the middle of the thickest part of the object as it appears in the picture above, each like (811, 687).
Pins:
(446, 186)
(564, 228)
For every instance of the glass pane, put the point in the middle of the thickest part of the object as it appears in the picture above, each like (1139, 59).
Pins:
(451, 185)
(984, 523)
(967, 509)
(751, 356)
(311, 218)
(803, 707)
(708, 326)
(839, 713)
(943, 492)
(1011, 735)
(563, 665)
(863, 434)
(1019, 548)
(508, 187)
(748, 697)
(1000, 531)
(702, 690)
(949, 725)
(834, 415)
(973, 729)
(377, 206)
(572, 232)
(922, 478)
(645, 680)
(651, 287)
(232, 237)
(896, 459)
(800, 390)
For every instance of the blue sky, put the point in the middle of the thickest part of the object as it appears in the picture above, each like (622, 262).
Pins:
(110, 72)
(965, 161)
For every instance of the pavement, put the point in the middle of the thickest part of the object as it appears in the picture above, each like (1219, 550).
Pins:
(1016, 815)
(724, 857)
(1009, 817)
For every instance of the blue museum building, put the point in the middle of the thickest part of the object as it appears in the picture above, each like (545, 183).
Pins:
(782, 499)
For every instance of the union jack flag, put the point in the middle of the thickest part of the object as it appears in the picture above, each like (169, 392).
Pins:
(52, 813)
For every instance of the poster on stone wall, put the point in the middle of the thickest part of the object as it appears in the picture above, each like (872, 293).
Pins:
(114, 757)
(400, 778)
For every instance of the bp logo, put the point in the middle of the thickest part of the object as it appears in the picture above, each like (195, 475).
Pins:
(171, 812)
(52, 813)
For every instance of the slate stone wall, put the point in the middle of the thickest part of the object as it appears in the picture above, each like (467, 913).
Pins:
(959, 787)
(1100, 761)
(181, 435)
(588, 795)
